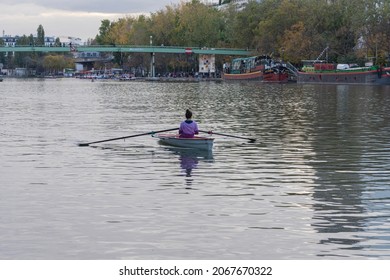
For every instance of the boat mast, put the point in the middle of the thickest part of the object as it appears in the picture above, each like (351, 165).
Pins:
(322, 53)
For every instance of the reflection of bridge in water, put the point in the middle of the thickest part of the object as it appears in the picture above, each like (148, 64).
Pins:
(131, 49)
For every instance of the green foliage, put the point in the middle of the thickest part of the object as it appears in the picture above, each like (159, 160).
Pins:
(292, 29)
(242, 25)
(296, 29)
(57, 43)
(163, 26)
(26, 59)
(40, 40)
(53, 64)
(104, 29)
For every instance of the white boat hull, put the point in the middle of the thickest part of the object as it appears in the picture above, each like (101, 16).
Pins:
(197, 142)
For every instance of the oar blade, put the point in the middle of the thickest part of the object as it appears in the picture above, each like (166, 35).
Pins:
(83, 144)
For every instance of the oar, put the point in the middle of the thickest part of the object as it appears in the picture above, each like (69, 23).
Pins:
(228, 135)
(124, 137)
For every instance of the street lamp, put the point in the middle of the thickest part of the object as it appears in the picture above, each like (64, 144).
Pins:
(152, 70)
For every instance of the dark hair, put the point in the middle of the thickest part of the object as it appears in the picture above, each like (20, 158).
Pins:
(188, 114)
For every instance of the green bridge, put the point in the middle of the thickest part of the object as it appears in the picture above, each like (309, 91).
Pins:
(131, 49)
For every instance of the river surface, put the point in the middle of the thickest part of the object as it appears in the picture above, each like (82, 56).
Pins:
(315, 184)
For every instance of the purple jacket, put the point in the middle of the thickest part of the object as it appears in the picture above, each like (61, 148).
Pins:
(188, 129)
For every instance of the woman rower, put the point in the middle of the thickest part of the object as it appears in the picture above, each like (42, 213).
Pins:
(188, 128)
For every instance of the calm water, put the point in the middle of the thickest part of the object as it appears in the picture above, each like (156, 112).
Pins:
(315, 185)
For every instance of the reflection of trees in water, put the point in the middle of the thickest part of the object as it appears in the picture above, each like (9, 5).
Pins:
(343, 128)
(338, 144)
(338, 204)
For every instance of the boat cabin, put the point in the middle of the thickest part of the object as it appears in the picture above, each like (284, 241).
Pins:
(249, 64)
(315, 65)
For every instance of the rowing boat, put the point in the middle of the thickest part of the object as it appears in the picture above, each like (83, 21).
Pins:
(197, 142)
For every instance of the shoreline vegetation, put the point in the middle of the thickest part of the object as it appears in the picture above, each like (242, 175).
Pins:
(353, 31)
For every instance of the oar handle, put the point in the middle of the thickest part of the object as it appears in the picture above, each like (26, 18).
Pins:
(124, 137)
(228, 135)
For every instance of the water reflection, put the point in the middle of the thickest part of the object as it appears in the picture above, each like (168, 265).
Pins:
(316, 183)
(189, 160)
(345, 146)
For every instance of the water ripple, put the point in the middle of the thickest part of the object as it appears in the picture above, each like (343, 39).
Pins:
(315, 182)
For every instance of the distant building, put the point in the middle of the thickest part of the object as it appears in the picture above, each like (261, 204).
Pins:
(68, 40)
(9, 41)
(50, 41)
(239, 4)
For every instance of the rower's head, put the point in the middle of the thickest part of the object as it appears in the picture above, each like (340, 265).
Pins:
(188, 114)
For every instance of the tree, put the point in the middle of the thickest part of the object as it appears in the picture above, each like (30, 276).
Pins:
(240, 26)
(164, 25)
(295, 29)
(297, 44)
(140, 31)
(25, 59)
(277, 17)
(375, 33)
(53, 64)
(40, 40)
(104, 29)
(197, 25)
(57, 42)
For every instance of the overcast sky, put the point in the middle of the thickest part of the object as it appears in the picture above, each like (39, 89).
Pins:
(81, 18)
